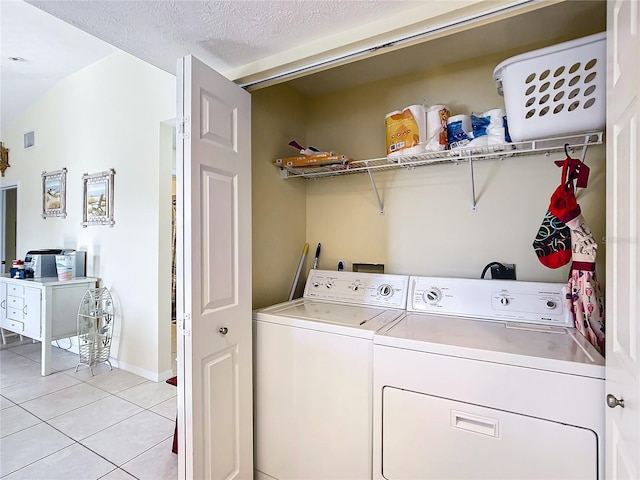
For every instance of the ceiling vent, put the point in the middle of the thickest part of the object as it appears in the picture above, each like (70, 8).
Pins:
(30, 139)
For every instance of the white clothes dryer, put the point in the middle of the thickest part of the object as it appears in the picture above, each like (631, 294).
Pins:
(313, 376)
(487, 379)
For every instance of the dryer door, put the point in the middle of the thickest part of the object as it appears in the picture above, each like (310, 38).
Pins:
(430, 437)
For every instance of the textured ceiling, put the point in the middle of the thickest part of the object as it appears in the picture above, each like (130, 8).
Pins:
(224, 34)
(234, 34)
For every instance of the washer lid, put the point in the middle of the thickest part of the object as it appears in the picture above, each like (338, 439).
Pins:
(331, 312)
(330, 317)
(543, 347)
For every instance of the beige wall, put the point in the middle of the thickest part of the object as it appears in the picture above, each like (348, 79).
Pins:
(107, 115)
(428, 227)
(279, 207)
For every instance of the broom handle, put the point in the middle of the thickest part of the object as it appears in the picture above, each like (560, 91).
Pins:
(295, 280)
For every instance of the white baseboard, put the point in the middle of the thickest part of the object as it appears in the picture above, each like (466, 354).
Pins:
(154, 377)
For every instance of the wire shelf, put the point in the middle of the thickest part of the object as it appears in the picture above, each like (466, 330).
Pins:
(531, 147)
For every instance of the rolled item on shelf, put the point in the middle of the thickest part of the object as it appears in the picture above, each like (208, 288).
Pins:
(459, 131)
(417, 138)
(488, 128)
(392, 121)
(437, 116)
(406, 131)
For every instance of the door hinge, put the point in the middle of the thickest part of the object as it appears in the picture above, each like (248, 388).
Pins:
(185, 325)
(181, 129)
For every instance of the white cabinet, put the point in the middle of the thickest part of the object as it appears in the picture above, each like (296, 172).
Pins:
(3, 303)
(43, 309)
(23, 313)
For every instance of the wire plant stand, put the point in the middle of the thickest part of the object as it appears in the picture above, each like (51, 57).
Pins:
(95, 328)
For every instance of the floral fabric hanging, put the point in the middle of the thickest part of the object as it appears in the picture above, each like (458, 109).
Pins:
(585, 294)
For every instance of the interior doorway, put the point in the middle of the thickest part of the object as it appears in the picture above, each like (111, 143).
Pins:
(8, 226)
(168, 199)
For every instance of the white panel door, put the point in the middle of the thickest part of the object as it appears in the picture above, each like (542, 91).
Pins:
(623, 231)
(214, 275)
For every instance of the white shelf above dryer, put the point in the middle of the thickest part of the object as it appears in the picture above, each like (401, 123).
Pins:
(510, 150)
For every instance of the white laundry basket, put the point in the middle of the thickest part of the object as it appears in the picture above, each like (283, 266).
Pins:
(554, 91)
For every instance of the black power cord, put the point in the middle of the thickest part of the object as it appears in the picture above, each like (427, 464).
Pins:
(501, 268)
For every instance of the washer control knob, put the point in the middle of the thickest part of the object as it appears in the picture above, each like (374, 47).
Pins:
(328, 285)
(550, 304)
(432, 296)
(505, 301)
(315, 284)
(385, 290)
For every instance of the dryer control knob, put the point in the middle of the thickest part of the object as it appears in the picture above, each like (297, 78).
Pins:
(505, 301)
(432, 296)
(550, 304)
(385, 290)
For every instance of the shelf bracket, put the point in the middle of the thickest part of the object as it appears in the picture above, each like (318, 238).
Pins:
(584, 148)
(474, 207)
(375, 188)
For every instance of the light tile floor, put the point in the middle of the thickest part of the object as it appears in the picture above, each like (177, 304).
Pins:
(72, 426)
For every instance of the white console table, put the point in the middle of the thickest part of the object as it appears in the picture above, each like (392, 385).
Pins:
(44, 309)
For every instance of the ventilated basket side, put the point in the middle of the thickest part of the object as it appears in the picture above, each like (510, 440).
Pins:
(555, 91)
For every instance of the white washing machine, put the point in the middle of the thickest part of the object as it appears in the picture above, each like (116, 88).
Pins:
(487, 379)
(313, 376)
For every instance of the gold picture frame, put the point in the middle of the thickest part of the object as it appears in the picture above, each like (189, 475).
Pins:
(4, 158)
(97, 205)
(54, 194)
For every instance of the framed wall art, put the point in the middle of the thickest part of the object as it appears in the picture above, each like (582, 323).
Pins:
(54, 194)
(98, 198)
(4, 158)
